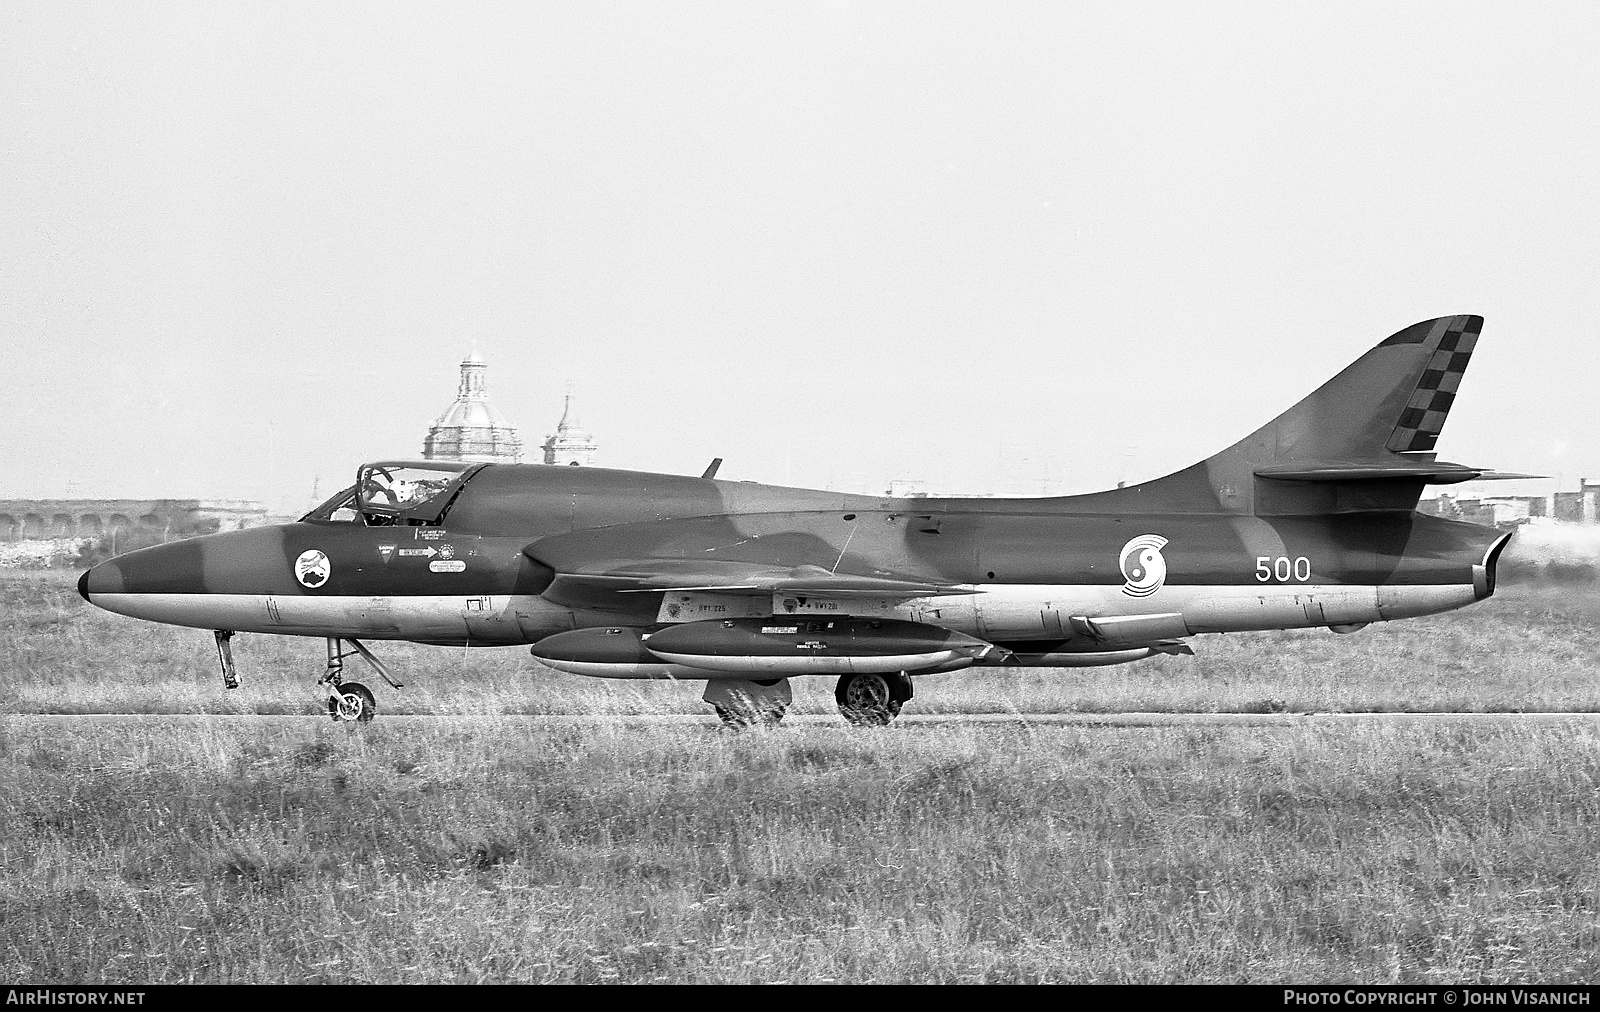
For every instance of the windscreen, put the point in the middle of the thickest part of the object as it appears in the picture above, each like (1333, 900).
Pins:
(409, 493)
(339, 509)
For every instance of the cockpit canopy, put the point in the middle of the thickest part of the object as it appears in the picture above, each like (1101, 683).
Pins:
(398, 492)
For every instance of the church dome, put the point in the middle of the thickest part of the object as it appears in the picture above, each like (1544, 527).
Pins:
(471, 414)
(471, 428)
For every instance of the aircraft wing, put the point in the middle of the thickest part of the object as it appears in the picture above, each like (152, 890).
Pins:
(637, 577)
(707, 555)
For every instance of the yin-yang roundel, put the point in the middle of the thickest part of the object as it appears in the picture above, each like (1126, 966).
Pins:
(1143, 565)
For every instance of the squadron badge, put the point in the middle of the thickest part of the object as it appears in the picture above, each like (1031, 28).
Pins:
(1143, 565)
(312, 568)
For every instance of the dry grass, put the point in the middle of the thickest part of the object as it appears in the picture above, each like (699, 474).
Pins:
(289, 850)
(492, 848)
(1528, 648)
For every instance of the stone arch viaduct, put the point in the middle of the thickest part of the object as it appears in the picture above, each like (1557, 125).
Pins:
(62, 519)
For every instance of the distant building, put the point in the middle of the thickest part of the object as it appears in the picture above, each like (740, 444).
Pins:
(1505, 510)
(571, 443)
(1509, 509)
(1533, 505)
(66, 519)
(1580, 507)
(471, 428)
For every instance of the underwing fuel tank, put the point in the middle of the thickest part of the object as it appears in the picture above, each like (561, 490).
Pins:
(606, 653)
(811, 646)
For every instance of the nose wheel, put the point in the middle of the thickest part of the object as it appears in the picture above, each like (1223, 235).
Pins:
(352, 701)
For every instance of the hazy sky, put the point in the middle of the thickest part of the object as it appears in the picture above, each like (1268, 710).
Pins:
(996, 247)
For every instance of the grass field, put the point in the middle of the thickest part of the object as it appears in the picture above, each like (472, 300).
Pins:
(485, 847)
(1527, 648)
(259, 849)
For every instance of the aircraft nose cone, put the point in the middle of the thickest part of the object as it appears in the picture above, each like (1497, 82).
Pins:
(105, 578)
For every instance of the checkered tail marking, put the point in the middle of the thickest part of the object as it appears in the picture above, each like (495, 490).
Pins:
(1452, 341)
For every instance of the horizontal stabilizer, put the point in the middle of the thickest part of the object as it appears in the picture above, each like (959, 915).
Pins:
(1428, 472)
(1506, 476)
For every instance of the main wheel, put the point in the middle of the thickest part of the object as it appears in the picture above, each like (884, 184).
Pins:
(738, 718)
(871, 700)
(352, 701)
(742, 703)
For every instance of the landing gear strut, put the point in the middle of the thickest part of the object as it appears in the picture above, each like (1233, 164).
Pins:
(872, 700)
(230, 677)
(351, 701)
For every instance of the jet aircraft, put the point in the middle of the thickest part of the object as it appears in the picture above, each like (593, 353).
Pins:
(1310, 521)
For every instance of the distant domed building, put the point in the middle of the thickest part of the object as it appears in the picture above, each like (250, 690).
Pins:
(571, 443)
(471, 428)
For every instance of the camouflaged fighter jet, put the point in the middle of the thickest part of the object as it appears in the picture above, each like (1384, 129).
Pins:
(1309, 521)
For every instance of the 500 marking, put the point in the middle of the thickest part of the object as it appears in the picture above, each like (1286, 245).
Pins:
(1282, 569)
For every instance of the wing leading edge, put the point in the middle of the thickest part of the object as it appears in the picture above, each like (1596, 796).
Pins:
(659, 576)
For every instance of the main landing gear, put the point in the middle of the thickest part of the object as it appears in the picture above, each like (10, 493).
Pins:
(351, 701)
(866, 700)
(872, 700)
(741, 703)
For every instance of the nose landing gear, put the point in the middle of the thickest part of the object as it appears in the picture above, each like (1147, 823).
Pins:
(351, 701)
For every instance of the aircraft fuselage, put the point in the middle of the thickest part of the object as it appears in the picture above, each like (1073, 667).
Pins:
(1308, 521)
(481, 577)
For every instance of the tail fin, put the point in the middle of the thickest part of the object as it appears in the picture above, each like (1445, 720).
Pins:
(1394, 399)
(1361, 441)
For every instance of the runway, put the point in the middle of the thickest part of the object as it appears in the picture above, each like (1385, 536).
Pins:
(1278, 720)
